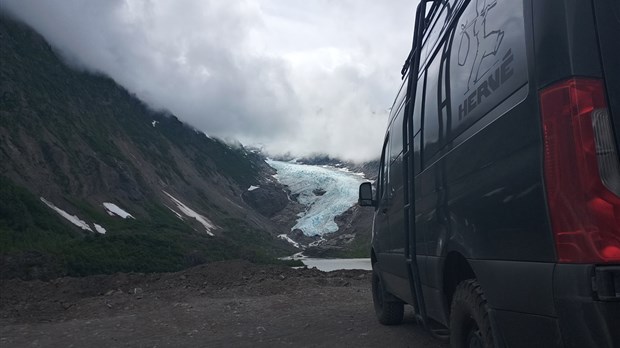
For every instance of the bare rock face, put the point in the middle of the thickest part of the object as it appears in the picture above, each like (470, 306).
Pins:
(268, 199)
(299, 236)
(356, 220)
(318, 192)
(324, 251)
(351, 239)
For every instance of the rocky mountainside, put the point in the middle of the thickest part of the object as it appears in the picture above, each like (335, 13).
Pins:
(369, 168)
(71, 141)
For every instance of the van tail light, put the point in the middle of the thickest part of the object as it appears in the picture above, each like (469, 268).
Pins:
(582, 171)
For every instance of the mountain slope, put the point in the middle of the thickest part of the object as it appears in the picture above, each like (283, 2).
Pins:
(78, 140)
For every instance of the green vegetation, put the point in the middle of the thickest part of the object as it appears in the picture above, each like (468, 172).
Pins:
(84, 138)
(359, 247)
(162, 244)
(24, 220)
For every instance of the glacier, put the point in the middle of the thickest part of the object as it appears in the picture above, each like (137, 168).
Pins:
(341, 193)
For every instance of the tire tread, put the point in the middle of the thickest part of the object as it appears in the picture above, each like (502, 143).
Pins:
(391, 313)
(469, 299)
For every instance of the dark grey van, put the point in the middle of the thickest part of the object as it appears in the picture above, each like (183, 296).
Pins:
(498, 198)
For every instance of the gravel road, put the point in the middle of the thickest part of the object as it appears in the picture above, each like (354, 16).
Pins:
(225, 304)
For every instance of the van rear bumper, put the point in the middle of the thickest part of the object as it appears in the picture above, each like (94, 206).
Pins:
(587, 301)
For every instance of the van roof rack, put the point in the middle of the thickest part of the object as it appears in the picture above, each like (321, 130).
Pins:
(427, 22)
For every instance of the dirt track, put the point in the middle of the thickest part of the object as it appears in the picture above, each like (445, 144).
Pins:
(229, 304)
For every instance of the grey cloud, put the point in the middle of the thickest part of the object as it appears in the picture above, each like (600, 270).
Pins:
(256, 71)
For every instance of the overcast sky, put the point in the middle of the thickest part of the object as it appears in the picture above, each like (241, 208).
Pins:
(298, 76)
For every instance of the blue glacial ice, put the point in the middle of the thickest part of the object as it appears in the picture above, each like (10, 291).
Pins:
(341, 193)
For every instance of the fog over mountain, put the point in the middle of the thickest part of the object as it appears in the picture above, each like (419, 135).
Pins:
(285, 75)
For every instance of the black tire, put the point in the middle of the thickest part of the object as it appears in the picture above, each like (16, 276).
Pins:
(470, 326)
(388, 308)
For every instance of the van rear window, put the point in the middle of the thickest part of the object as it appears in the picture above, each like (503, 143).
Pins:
(488, 61)
(478, 62)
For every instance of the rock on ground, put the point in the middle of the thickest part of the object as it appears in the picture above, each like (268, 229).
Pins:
(222, 304)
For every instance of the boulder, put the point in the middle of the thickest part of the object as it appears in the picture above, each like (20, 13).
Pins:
(318, 191)
(267, 200)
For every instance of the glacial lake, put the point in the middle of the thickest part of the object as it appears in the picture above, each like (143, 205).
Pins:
(327, 265)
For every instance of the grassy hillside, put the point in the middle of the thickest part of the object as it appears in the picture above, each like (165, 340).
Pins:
(35, 242)
(78, 139)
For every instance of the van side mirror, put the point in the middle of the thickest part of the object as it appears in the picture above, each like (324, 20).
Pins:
(365, 195)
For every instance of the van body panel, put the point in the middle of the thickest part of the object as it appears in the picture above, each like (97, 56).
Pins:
(517, 286)
(568, 36)
(438, 308)
(485, 63)
(435, 304)
(494, 194)
(483, 192)
(585, 320)
(477, 168)
(397, 286)
(607, 13)
(565, 41)
(509, 286)
(524, 330)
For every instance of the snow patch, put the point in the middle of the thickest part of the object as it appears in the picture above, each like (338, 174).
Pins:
(317, 242)
(114, 209)
(154, 123)
(341, 192)
(175, 212)
(288, 239)
(99, 228)
(252, 188)
(72, 218)
(208, 225)
(348, 171)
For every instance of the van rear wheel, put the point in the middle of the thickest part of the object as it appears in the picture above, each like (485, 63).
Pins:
(388, 308)
(470, 326)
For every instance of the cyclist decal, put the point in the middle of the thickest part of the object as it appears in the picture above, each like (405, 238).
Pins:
(487, 43)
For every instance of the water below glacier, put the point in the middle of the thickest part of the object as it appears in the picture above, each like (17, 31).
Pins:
(328, 265)
(339, 185)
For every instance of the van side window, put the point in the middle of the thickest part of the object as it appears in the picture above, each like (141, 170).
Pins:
(418, 107)
(418, 111)
(437, 27)
(432, 118)
(396, 134)
(383, 170)
(402, 93)
(386, 165)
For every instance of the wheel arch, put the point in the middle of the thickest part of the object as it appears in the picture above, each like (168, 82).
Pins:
(456, 269)
(373, 257)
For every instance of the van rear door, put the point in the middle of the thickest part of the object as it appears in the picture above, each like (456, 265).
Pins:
(607, 13)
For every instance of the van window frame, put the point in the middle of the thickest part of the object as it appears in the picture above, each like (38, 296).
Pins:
(418, 132)
(381, 181)
(451, 21)
(395, 125)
